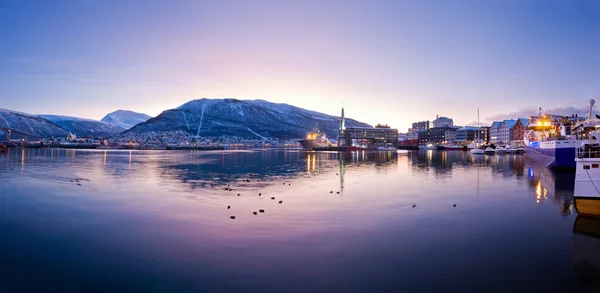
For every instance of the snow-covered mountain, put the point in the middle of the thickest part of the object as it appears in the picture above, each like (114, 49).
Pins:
(256, 119)
(125, 118)
(83, 127)
(30, 125)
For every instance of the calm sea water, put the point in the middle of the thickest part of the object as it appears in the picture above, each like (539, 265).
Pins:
(157, 221)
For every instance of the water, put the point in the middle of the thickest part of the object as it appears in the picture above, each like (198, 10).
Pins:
(157, 221)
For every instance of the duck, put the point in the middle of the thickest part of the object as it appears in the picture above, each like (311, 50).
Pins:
(281, 201)
(232, 217)
(228, 207)
(261, 210)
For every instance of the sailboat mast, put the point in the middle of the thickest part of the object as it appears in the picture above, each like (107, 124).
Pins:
(478, 129)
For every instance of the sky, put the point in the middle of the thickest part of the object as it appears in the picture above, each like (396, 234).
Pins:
(393, 62)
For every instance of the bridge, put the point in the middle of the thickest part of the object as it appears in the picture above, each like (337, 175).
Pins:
(9, 133)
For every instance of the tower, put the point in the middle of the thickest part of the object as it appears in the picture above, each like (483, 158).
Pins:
(341, 132)
(343, 120)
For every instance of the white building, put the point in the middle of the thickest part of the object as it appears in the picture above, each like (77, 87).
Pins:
(494, 132)
(505, 131)
(443, 122)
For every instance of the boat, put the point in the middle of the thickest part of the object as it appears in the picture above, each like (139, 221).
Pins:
(361, 147)
(552, 140)
(510, 150)
(587, 178)
(453, 147)
(500, 150)
(428, 147)
(387, 148)
(489, 151)
(314, 139)
(477, 151)
(475, 147)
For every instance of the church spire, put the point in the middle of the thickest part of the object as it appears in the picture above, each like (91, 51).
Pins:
(343, 120)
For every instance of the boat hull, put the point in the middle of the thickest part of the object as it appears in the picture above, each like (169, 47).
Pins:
(587, 187)
(309, 145)
(553, 158)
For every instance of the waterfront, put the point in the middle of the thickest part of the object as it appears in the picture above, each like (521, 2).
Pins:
(157, 221)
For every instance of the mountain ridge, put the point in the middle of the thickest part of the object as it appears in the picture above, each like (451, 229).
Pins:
(125, 118)
(83, 126)
(253, 119)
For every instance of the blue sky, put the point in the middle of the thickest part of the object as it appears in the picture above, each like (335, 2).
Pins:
(390, 62)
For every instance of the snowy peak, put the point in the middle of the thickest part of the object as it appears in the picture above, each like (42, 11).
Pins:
(125, 118)
(28, 125)
(82, 126)
(255, 119)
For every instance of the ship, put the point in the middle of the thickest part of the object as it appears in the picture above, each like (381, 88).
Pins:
(552, 140)
(314, 139)
(587, 176)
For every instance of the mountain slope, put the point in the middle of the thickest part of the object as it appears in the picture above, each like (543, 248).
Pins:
(124, 118)
(30, 125)
(83, 127)
(254, 119)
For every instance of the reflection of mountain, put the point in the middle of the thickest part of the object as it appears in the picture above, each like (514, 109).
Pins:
(543, 181)
(586, 253)
(267, 165)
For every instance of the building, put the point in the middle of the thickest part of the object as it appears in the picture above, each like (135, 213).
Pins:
(466, 134)
(494, 131)
(437, 135)
(450, 134)
(505, 131)
(520, 128)
(408, 139)
(423, 137)
(484, 134)
(419, 127)
(379, 136)
(443, 122)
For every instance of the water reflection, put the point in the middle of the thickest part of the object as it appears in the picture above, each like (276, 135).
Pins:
(586, 253)
(163, 217)
(557, 185)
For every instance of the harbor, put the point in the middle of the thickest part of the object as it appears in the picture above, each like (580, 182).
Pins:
(300, 147)
(326, 196)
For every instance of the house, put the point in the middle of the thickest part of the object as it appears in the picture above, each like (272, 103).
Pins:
(505, 131)
(493, 131)
(520, 128)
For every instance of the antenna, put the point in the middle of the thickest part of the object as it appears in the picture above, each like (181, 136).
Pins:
(592, 102)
